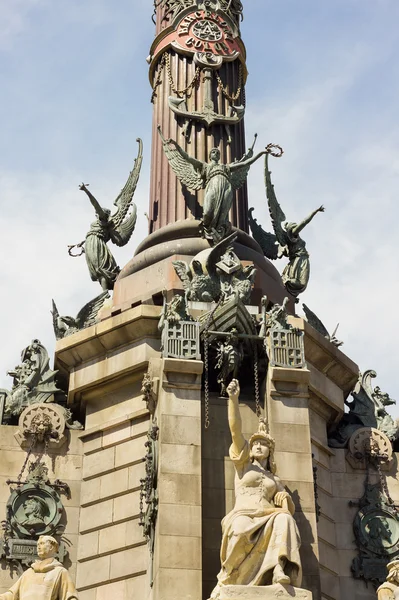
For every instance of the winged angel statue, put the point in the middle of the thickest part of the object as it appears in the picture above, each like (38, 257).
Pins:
(219, 181)
(117, 227)
(286, 241)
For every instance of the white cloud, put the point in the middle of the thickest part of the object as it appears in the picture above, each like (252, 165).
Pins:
(316, 96)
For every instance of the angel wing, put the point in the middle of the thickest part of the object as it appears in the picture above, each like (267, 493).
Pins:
(88, 314)
(57, 331)
(187, 169)
(183, 272)
(121, 228)
(276, 214)
(267, 241)
(315, 322)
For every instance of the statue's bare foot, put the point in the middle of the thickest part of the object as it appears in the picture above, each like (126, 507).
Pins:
(279, 576)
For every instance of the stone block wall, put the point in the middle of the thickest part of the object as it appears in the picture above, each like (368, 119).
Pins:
(112, 552)
(64, 463)
(177, 559)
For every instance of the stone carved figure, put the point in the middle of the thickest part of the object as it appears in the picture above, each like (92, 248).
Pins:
(367, 409)
(389, 590)
(87, 316)
(35, 509)
(34, 382)
(118, 228)
(218, 180)
(286, 241)
(46, 579)
(260, 543)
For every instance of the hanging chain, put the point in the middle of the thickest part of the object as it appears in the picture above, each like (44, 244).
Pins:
(256, 379)
(30, 450)
(383, 481)
(157, 82)
(206, 363)
(188, 90)
(223, 88)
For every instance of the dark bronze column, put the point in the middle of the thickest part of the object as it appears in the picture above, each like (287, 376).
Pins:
(197, 65)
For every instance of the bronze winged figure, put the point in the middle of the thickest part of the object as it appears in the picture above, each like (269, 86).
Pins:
(286, 240)
(117, 228)
(218, 180)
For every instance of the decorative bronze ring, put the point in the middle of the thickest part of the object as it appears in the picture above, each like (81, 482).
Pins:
(275, 150)
(80, 246)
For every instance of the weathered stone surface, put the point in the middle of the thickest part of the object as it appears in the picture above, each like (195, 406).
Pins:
(269, 592)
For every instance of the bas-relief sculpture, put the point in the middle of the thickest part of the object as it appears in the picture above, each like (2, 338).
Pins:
(376, 529)
(218, 180)
(46, 579)
(117, 228)
(286, 240)
(260, 539)
(389, 590)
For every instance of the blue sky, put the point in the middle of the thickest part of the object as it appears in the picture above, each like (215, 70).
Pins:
(323, 83)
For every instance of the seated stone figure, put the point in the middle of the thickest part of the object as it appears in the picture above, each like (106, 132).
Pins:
(390, 589)
(46, 579)
(260, 543)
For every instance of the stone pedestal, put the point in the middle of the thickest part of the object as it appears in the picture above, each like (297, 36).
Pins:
(268, 592)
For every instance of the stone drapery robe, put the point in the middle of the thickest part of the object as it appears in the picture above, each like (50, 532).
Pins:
(44, 580)
(388, 591)
(256, 534)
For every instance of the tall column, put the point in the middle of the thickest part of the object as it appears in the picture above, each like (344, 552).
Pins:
(186, 40)
(177, 568)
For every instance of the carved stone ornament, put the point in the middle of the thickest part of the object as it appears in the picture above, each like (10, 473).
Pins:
(284, 344)
(149, 492)
(34, 508)
(376, 528)
(368, 444)
(149, 389)
(45, 422)
(198, 32)
(270, 592)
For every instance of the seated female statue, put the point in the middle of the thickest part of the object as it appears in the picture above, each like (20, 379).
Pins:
(260, 543)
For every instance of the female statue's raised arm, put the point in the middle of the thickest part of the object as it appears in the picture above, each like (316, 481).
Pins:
(298, 228)
(100, 212)
(234, 417)
(246, 163)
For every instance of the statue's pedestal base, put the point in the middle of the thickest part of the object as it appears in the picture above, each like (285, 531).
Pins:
(268, 592)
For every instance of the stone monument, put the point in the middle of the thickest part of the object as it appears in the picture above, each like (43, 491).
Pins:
(150, 481)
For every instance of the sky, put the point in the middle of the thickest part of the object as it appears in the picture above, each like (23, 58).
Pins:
(323, 83)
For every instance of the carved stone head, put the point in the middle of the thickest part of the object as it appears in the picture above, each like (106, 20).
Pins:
(47, 547)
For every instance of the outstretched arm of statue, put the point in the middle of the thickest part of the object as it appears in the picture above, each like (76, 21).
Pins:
(246, 163)
(306, 221)
(235, 423)
(93, 201)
